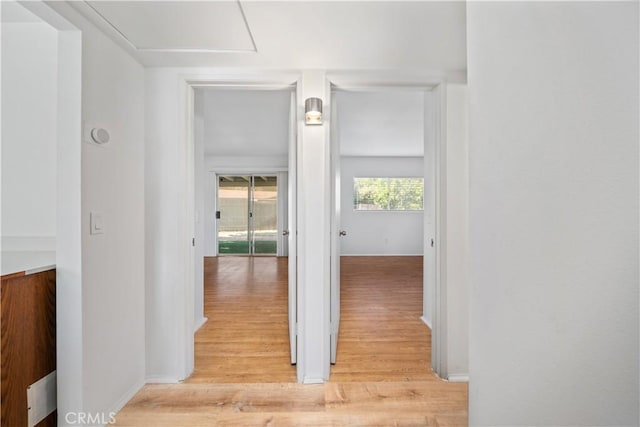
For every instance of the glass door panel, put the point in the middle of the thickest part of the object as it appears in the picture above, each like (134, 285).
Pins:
(265, 215)
(233, 215)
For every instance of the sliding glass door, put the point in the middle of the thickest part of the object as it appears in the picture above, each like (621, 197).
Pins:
(247, 215)
(233, 214)
(265, 215)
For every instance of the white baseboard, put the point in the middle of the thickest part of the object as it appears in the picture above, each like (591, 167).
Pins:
(313, 381)
(162, 380)
(426, 322)
(381, 254)
(126, 397)
(200, 322)
(458, 378)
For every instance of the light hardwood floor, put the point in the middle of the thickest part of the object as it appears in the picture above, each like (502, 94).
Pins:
(381, 335)
(243, 376)
(246, 339)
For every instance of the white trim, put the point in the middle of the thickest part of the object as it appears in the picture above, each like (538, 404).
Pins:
(313, 381)
(458, 378)
(162, 380)
(187, 84)
(301, 330)
(189, 232)
(426, 322)
(200, 323)
(343, 255)
(126, 397)
(246, 171)
(40, 269)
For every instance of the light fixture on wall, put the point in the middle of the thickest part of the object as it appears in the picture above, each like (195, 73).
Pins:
(313, 111)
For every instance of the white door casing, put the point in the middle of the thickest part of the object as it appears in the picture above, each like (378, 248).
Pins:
(293, 230)
(335, 230)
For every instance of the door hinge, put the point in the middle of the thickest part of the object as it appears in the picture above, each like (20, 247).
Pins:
(193, 241)
(433, 243)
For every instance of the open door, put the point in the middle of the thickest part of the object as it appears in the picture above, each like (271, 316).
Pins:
(336, 232)
(292, 229)
(430, 296)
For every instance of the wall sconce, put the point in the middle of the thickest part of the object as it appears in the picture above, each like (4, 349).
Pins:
(313, 111)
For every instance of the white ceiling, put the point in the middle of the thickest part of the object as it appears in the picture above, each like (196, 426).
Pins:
(166, 26)
(255, 123)
(424, 35)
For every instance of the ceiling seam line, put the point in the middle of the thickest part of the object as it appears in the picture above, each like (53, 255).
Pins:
(246, 24)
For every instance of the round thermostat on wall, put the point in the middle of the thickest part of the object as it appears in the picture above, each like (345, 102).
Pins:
(99, 135)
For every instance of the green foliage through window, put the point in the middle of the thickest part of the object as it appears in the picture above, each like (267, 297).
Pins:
(391, 194)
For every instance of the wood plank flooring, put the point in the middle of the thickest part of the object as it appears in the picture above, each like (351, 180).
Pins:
(246, 339)
(381, 335)
(243, 377)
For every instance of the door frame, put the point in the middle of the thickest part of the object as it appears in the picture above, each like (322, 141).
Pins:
(187, 86)
(435, 312)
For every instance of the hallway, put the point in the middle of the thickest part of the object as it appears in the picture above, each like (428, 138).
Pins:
(243, 376)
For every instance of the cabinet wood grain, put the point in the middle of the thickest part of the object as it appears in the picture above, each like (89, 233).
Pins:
(28, 352)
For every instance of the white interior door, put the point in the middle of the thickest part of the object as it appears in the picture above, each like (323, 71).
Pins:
(336, 232)
(430, 183)
(292, 229)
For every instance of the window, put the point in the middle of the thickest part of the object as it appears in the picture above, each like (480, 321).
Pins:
(388, 194)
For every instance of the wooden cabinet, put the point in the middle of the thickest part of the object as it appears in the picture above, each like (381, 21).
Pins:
(28, 352)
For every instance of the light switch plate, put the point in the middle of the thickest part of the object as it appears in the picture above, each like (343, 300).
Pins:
(96, 222)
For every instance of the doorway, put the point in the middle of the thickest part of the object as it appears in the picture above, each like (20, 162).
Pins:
(247, 215)
(383, 214)
(245, 206)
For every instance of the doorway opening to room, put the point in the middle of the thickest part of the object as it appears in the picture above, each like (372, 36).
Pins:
(247, 215)
(244, 254)
(383, 211)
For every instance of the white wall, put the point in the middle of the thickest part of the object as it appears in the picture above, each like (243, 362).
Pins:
(553, 153)
(29, 135)
(379, 232)
(169, 310)
(113, 324)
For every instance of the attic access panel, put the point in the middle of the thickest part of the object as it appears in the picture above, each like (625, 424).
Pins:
(178, 26)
